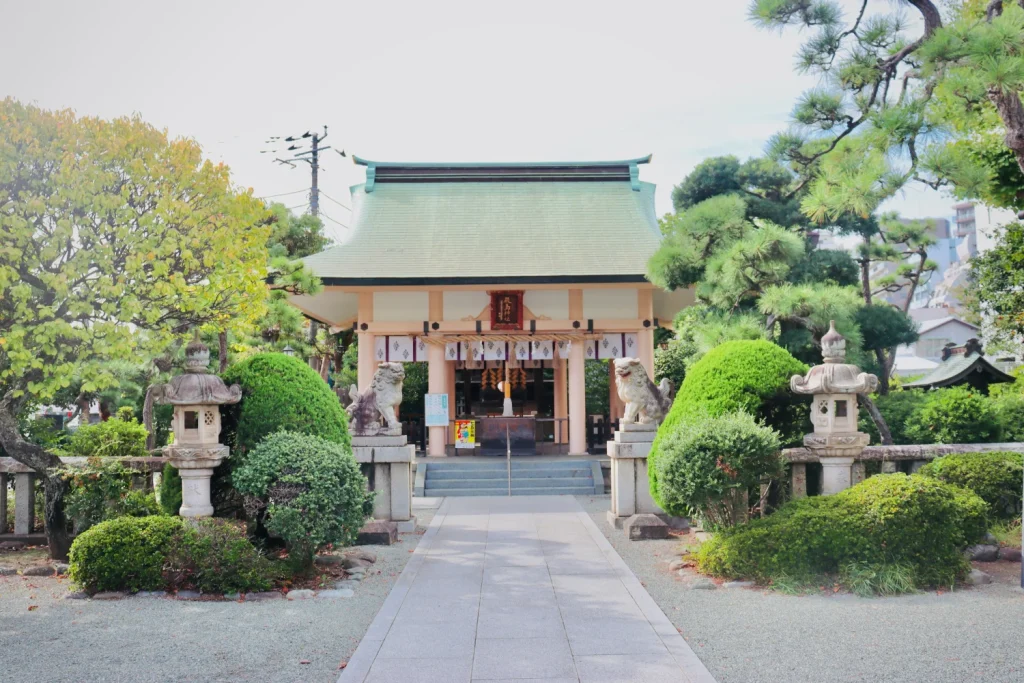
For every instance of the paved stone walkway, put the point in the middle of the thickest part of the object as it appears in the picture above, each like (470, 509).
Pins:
(520, 588)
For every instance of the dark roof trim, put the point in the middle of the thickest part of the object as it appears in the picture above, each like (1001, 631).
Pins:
(531, 164)
(516, 280)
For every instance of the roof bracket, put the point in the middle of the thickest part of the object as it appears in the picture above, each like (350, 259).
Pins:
(634, 176)
(371, 175)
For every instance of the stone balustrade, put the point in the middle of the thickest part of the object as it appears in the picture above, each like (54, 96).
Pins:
(24, 478)
(889, 456)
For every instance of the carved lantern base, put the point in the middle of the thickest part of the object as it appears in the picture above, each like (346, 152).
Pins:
(195, 466)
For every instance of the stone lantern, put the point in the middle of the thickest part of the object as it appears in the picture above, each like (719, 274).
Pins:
(196, 396)
(835, 386)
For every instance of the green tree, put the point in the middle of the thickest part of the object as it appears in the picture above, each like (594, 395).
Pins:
(295, 236)
(997, 278)
(114, 241)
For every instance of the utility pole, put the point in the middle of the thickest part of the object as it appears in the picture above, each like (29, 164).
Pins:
(311, 156)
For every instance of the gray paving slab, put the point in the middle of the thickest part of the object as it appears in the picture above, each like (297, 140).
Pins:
(522, 588)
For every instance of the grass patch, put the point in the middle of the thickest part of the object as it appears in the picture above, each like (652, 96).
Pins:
(868, 580)
(1007, 533)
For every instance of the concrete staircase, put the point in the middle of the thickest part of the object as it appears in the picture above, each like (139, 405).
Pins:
(529, 478)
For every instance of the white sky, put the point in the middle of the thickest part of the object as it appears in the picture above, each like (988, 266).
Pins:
(420, 81)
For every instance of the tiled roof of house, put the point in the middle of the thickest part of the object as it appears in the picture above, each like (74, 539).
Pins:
(958, 368)
(483, 223)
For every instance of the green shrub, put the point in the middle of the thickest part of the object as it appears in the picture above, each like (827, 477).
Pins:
(897, 407)
(706, 464)
(170, 490)
(954, 415)
(280, 393)
(119, 437)
(1009, 410)
(310, 490)
(126, 553)
(102, 491)
(887, 520)
(994, 476)
(748, 376)
(214, 556)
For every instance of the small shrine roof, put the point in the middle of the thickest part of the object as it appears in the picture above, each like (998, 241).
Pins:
(495, 223)
(962, 365)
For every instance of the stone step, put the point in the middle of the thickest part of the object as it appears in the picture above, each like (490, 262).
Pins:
(461, 473)
(562, 491)
(501, 463)
(516, 483)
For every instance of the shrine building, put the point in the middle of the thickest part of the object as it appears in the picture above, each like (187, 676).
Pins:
(488, 271)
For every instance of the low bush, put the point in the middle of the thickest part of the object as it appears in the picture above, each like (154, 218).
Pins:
(170, 490)
(954, 415)
(994, 476)
(124, 554)
(898, 408)
(119, 437)
(1009, 410)
(214, 556)
(161, 552)
(707, 464)
(102, 491)
(308, 491)
(886, 521)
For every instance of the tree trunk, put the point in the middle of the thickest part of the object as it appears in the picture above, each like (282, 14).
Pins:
(41, 461)
(222, 340)
(876, 417)
(883, 377)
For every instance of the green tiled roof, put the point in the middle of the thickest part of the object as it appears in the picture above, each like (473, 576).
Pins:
(490, 230)
(958, 369)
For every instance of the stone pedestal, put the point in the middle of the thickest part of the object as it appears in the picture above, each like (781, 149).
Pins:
(631, 489)
(24, 503)
(836, 475)
(389, 462)
(195, 465)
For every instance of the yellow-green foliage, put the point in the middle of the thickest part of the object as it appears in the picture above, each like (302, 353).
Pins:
(748, 376)
(994, 476)
(891, 519)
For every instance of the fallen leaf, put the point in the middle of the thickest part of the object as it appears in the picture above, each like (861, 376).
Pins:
(342, 665)
(303, 661)
(33, 607)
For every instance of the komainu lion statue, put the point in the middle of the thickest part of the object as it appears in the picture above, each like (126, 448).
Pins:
(372, 412)
(642, 398)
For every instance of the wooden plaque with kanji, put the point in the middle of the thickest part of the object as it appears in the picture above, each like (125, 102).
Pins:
(507, 310)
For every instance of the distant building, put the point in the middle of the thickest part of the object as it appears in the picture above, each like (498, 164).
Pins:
(962, 364)
(937, 330)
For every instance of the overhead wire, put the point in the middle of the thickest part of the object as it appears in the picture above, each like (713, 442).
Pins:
(323, 215)
(283, 194)
(324, 194)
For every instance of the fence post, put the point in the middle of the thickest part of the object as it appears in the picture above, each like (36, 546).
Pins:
(3, 502)
(24, 502)
(798, 480)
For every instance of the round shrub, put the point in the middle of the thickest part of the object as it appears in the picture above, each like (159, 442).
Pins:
(281, 393)
(707, 464)
(214, 556)
(893, 519)
(119, 437)
(954, 415)
(126, 553)
(310, 492)
(994, 476)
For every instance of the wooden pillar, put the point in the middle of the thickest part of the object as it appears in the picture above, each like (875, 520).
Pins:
(645, 335)
(367, 362)
(437, 377)
(616, 408)
(561, 405)
(577, 382)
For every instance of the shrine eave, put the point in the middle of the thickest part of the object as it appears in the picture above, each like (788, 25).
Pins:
(498, 164)
(480, 280)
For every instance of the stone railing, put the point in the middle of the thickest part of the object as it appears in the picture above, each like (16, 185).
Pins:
(24, 478)
(889, 456)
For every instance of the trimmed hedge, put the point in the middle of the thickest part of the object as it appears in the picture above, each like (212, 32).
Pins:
(311, 492)
(748, 376)
(887, 520)
(954, 415)
(281, 393)
(994, 476)
(707, 464)
(123, 554)
(160, 552)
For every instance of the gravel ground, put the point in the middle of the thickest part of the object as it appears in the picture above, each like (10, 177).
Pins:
(160, 639)
(750, 635)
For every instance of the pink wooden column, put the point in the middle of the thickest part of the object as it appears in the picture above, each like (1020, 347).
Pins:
(561, 409)
(366, 362)
(645, 335)
(577, 382)
(437, 377)
(615, 407)
(449, 367)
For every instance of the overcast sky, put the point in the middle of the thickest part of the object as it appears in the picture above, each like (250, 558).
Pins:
(420, 81)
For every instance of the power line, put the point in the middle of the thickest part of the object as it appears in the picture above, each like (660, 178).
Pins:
(298, 206)
(311, 156)
(283, 194)
(335, 200)
(324, 215)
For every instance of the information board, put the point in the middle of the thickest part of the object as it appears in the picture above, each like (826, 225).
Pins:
(435, 409)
